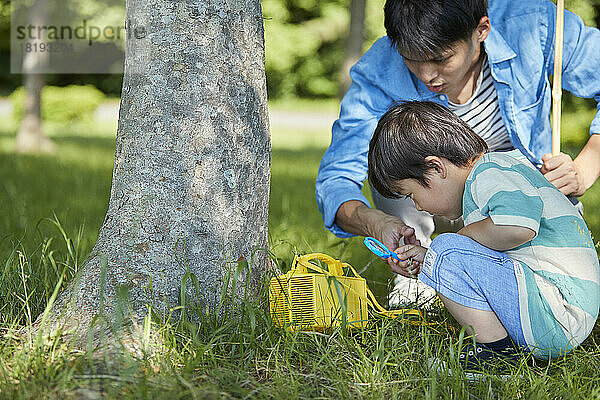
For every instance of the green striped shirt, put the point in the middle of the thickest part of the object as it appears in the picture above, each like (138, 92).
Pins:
(557, 271)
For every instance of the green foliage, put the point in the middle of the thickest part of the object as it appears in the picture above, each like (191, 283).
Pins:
(62, 104)
(305, 44)
(586, 9)
(373, 22)
(304, 39)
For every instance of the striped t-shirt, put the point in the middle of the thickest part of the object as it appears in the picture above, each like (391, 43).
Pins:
(482, 112)
(557, 271)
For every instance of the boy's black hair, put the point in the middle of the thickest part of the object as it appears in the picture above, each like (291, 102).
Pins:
(424, 29)
(409, 132)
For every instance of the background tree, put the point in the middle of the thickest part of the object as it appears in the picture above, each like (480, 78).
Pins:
(354, 42)
(31, 137)
(190, 184)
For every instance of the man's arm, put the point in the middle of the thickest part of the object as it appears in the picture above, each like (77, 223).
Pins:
(378, 79)
(497, 237)
(357, 218)
(588, 162)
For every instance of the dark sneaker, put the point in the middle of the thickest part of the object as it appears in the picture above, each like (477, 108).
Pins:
(478, 361)
(478, 357)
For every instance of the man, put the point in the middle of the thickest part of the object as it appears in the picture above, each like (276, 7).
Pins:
(489, 65)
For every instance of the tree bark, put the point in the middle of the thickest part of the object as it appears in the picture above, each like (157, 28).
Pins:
(190, 184)
(354, 42)
(31, 137)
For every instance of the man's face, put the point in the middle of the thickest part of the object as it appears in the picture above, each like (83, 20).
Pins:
(448, 72)
(451, 70)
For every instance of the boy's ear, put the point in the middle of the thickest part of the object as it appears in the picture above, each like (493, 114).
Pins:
(437, 165)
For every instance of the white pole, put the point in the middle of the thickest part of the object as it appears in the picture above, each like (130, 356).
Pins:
(557, 83)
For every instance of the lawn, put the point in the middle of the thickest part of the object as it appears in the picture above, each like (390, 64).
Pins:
(52, 208)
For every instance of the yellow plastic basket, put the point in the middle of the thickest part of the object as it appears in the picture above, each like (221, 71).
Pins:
(314, 301)
(323, 298)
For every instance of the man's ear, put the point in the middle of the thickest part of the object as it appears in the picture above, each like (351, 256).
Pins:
(483, 29)
(436, 165)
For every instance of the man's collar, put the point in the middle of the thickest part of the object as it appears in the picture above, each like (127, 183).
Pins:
(496, 47)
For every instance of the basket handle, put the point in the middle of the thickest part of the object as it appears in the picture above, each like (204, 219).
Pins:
(335, 267)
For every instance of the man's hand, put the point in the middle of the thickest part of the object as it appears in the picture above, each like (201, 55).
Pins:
(574, 177)
(413, 256)
(355, 217)
(563, 173)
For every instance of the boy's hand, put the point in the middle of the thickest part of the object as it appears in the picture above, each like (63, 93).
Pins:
(393, 233)
(413, 255)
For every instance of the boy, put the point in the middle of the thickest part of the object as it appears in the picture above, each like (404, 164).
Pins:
(523, 271)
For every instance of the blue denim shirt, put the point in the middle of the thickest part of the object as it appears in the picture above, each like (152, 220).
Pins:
(520, 49)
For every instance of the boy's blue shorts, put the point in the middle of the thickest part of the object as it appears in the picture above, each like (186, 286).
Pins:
(475, 276)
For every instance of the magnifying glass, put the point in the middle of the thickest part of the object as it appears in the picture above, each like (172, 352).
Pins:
(379, 249)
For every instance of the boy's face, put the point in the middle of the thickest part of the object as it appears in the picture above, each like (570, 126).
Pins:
(449, 72)
(442, 197)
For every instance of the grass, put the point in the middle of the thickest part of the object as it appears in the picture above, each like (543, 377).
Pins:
(52, 208)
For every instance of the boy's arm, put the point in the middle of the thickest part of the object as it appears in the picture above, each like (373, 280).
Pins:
(497, 237)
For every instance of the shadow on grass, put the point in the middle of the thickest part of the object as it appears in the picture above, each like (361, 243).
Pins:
(96, 142)
(74, 184)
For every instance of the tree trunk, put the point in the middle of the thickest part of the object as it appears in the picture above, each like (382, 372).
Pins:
(31, 138)
(190, 184)
(354, 42)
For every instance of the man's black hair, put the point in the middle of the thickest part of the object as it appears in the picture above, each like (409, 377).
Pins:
(424, 29)
(411, 131)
